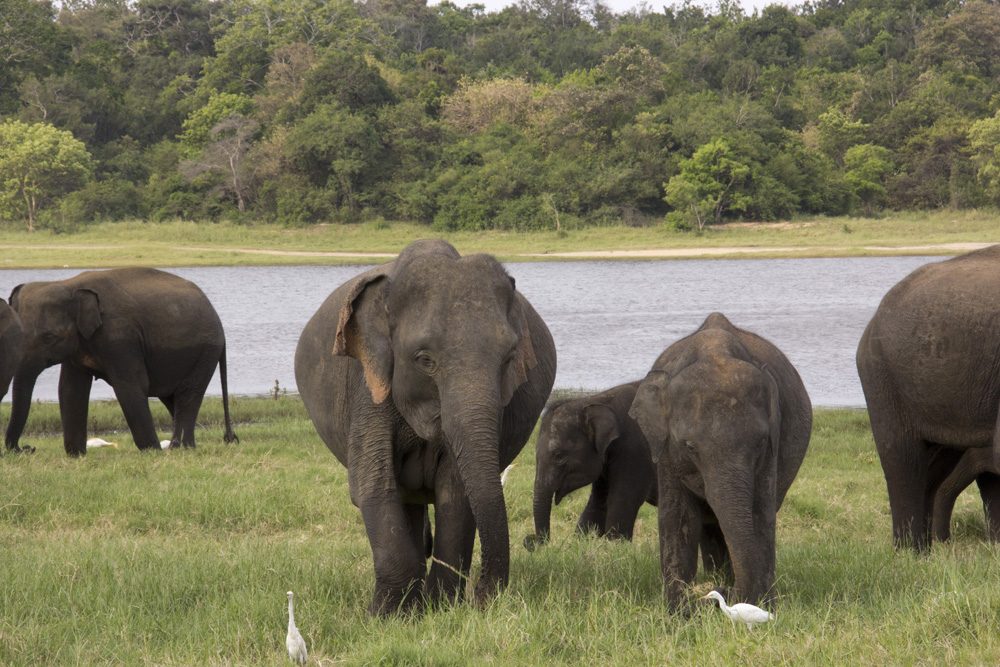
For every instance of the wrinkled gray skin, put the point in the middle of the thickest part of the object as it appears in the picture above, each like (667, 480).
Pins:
(145, 332)
(929, 365)
(425, 377)
(11, 345)
(592, 440)
(728, 421)
(976, 465)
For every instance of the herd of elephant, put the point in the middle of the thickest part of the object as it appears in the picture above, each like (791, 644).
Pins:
(425, 377)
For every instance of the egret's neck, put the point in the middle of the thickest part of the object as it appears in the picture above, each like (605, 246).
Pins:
(291, 614)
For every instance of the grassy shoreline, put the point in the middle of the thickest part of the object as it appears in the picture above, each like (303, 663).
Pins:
(226, 244)
(183, 557)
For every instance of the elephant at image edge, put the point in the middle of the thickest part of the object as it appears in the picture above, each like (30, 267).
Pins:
(976, 465)
(143, 331)
(592, 440)
(728, 421)
(929, 365)
(425, 376)
(11, 345)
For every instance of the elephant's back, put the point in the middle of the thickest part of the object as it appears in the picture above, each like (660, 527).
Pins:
(931, 350)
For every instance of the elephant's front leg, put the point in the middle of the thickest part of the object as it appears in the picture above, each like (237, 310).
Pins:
(391, 526)
(455, 536)
(74, 402)
(680, 523)
(625, 497)
(595, 514)
(989, 491)
(131, 385)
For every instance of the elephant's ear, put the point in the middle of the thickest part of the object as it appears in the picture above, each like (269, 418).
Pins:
(646, 404)
(602, 426)
(516, 372)
(14, 299)
(363, 333)
(774, 411)
(88, 311)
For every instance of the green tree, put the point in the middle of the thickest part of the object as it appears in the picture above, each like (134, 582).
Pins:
(984, 144)
(708, 182)
(867, 166)
(37, 163)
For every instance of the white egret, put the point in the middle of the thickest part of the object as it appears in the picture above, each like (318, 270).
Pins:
(294, 642)
(97, 442)
(164, 444)
(741, 611)
(506, 471)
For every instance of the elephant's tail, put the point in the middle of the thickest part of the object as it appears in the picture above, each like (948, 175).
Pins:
(230, 436)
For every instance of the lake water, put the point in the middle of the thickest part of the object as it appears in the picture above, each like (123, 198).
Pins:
(610, 320)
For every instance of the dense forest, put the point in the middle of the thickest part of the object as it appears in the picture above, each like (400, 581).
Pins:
(547, 114)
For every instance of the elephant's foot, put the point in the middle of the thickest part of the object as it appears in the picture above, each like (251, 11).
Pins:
(27, 449)
(389, 601)
(532, 542)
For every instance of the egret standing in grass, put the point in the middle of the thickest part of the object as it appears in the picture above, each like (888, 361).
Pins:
(506, 471)
(741, 611)
(294, 642)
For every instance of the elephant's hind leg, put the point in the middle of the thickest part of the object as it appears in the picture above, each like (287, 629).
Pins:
(989, 491)
(188, 397)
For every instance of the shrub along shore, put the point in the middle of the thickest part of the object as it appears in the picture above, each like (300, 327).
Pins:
(226, 244)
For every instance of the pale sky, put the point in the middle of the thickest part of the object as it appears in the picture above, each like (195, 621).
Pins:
(619, 6)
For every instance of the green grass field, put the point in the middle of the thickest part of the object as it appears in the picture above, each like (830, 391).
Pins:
(183, 558)
(217, 244)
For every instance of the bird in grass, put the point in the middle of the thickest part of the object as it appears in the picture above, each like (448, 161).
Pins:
(506, 471)
(97, 442)
(294, 642)
(164, 444)
(741, 611)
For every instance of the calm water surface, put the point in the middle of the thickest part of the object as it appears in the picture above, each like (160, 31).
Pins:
(610, 320)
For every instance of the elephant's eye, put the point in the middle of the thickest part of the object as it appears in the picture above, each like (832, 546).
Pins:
(50, 338)
(424, 362)
(559, 457)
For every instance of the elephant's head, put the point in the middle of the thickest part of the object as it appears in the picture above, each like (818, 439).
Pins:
(570, 453)
(56, 319)
(446, 340)
(716, 419)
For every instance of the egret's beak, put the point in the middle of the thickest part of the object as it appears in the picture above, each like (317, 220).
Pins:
(704, 597)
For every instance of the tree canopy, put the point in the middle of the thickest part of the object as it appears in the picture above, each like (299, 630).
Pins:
(547, 113)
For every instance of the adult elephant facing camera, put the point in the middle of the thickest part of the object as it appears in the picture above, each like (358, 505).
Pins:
(425, 377)
(145, 332)
(728, 422)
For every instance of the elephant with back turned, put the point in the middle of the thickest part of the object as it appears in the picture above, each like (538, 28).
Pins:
(425, 376)
(592, 440)
(929, 363)
(728, 422)
(145, 332)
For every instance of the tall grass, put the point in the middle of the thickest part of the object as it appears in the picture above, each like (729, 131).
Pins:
(183, 558)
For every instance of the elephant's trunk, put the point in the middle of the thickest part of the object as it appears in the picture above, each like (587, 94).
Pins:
(542, 503)
(472, 427)
(24, 386)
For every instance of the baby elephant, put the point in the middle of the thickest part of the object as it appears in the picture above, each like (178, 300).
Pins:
(592, 440)
(728, 421)
(976, 465)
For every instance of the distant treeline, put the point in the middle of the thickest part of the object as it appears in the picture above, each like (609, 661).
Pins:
(548, 114)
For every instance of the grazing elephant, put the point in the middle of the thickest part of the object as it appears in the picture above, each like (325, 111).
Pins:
(592, 440)
(11, 345)
(929, 365)
(145, 332)
(728, 421)
(976, 465)
(425, 376)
